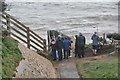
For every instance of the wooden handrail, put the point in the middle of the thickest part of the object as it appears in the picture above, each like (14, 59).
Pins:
(18, 26)
(36, 35)
(36, 44)
(29, 35)
(15, 20)
(36, 39)
(18, 37)
(35, 47)
(18, 32)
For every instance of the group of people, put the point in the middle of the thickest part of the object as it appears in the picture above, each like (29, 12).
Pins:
(61, 46)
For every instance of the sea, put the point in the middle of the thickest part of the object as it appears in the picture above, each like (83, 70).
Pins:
(69, 18)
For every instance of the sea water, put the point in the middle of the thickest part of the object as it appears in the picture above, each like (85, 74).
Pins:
(69, 18)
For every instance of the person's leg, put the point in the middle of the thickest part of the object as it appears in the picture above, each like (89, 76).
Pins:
(64, 54)
(96, 49)
(79, 53)
(67, 54)
(54, 54)
(75, 52)
(93, 49)
(82, 53)
(60, 54)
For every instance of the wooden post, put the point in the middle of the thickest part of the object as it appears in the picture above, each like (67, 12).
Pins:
(45, 48)
(48, 35)
(8, 24)
(28, 37)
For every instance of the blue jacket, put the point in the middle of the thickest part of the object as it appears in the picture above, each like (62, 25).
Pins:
(67, 44)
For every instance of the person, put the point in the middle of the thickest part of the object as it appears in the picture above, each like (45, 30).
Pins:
(59, 47)
(66, 47)
(81, 45)
(95, 43)
(53, 47)
(76, 45)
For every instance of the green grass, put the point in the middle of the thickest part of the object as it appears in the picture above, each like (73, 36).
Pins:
(10, 57)
(0, 58)
(103, 68)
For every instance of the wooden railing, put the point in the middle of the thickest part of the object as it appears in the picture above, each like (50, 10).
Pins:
(23, 33)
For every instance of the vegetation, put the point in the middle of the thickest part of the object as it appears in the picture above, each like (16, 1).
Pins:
(103, 67)
(10, 57)
(115, 36)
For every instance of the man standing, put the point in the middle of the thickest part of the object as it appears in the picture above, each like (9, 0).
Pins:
(59, 47)
(66, 44)
(81, 45)
(95, 43)
(76, 46)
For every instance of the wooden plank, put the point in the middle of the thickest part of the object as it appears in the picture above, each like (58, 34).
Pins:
(18, 37)
(35, 47)
(18, 32)
(28, 37)
(18, 26)
(36, 35)
(36, 44)
(45, 47)
(36, 39)
(15, 20)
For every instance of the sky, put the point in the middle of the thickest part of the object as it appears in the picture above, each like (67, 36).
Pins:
(62, 0)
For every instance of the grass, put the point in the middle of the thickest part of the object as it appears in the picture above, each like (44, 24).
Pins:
(105, 67)
(0, 58)
(10, 57)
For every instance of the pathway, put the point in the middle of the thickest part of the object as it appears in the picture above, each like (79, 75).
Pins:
(67, 69)
(31, 66)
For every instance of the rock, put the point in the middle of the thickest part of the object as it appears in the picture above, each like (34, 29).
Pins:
(34, 65)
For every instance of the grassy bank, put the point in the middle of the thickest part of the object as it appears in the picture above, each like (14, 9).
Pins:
(10, 57)
(0, 58)
(105, 66)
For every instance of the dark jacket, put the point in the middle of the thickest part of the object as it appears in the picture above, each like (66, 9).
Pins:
(95, 39)
(76, 42)
(81, 41)
(59, 44)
